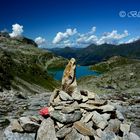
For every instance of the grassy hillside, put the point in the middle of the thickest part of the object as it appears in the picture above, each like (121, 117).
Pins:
(24, 66)
(120, 75)
(116, 61)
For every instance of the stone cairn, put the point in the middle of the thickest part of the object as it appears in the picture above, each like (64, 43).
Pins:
(73, 115)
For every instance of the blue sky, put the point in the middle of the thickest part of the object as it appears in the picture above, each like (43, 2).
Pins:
(43, 19)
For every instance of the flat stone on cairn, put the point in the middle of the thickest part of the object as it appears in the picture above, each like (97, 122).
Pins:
(77, 115)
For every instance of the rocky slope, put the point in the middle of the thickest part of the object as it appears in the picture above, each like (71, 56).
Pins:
(23, 65)
(24, 78)
(73, 115)
(120, 82)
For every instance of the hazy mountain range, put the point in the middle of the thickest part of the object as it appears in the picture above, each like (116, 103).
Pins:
(96, 53)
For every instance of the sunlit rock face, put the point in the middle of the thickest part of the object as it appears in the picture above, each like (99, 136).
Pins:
(69, 84)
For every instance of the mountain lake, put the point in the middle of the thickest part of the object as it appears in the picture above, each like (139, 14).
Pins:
(80, 72)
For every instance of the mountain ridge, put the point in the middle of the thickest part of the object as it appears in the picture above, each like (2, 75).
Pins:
(24, 66)
(93, 54)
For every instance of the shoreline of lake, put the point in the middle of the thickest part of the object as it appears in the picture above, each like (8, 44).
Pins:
(81, 71)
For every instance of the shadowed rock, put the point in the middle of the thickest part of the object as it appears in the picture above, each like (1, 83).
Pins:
(46, 130)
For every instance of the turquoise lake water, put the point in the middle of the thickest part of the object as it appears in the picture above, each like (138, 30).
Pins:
(80, 72)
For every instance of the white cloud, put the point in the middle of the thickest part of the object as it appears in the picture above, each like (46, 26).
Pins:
(93, 29)
(73, 38)
(60, 36)
(40, 41)
(112, 37)
(17, 30)
(88, 37)
(132, 40)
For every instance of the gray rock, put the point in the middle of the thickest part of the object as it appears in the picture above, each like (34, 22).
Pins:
(77, 96)
(73, 135)
(21, 95)
(46, 130)
(57, 99)
(88, 117)
(58, 107)
(126, 136)
(63, 132)
(107, 108)
(125, 128)
(106, 116)
(114, 126)
(67, 110)
(83, 128)
(90, 124)
(91, 95)
(60, 125)
(97, 102)
(84, 99)
(62, 103)
(15, 126)
(9, 135)
(64, 96)
(89, 107)
(86, 138)
(99, 132)
(70, 108)
(84, 92)
(119, 115)
(28, 125)
(108, 136)
(99, 120)
(66, 118)
(133, 136)
(53, 96)
(97, 138)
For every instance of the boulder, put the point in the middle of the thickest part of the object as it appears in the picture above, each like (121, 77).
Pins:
(28, 125)
(46, 130)
(106, 116)
(84, 99)
(9, 135)
(99, 132)
(107, 108)
(125, 128)
(73, 135)
(87, 117)
(108, 136)
(69, 83)
(119, 115)
(114, 126)
(77, 96)
(83, 128)
(53, 96)
(97, 102)
(66, 118)
(133, 136)
(84, 92)
(64, 96)
(89, 107)
(63, 132)
(91, 95)
(15, 126)
(99, 120)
